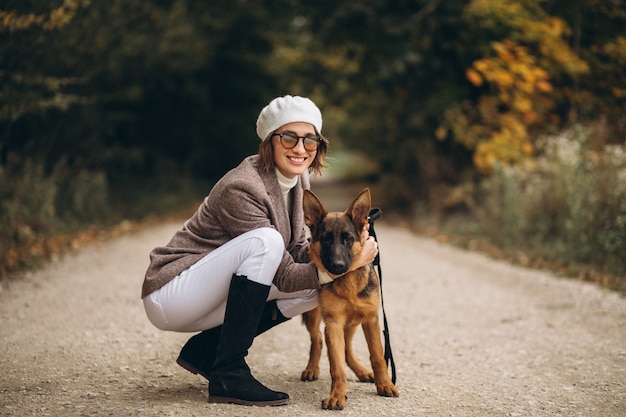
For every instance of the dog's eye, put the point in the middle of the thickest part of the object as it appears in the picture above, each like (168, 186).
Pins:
(326, 238)
(347, 239)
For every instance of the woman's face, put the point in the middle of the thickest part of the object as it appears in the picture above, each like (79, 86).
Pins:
(297, 160)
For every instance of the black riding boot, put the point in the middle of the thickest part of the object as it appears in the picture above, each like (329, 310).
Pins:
(198, 354)
(230, 378)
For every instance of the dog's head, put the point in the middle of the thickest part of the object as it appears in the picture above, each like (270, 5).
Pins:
(335, 237)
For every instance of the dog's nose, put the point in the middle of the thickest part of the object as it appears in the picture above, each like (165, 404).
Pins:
(339, 267)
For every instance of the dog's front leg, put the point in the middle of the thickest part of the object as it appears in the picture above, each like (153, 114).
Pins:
(384, 386)
(364, 374)
(335, 344)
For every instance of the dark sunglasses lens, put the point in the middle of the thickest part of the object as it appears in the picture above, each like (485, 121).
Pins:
(289, 141)
(311, 142)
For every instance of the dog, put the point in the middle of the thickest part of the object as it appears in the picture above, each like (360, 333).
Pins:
(346, 302)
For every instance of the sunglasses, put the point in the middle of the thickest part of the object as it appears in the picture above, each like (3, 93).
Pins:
(290, 140)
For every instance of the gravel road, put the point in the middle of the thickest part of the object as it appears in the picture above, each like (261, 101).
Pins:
(471, 337)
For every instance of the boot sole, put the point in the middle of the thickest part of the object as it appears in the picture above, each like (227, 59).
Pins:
(187, 366)
(229, 400)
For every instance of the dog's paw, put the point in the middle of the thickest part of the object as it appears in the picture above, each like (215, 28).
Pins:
(366, 377)
(334, 402)
(310, 375)
(387, 390)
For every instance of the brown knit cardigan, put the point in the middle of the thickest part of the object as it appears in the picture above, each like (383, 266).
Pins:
(245, 198)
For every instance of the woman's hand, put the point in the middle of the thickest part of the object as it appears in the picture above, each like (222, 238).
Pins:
(366, 256)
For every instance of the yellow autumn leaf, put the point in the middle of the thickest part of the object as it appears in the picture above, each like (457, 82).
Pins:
(441, 133)
(484, 158)
(527, 148)
(503, 78)
(474, 77)
(525, 86)
(544, 86)
(505, 55)
(481, 65)
(540, 73)
(531, 117)
(521, 52)
(557, 25)
(522, 105)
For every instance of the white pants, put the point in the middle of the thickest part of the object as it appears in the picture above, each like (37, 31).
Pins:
(195, 300)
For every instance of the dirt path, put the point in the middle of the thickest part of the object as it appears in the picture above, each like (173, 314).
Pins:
(471, 337)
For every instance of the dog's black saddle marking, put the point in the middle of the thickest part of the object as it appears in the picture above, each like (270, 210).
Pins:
(372, 285)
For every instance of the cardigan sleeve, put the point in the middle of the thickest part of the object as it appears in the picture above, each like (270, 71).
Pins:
(292, 276)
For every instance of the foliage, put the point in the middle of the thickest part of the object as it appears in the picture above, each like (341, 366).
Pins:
(132, 88)
(436, 93)
(154, 84)
(34, 204)
(598, 37)
(517, 73)
(10, 20)
(387, 70)
(571, 201)
(43, 213)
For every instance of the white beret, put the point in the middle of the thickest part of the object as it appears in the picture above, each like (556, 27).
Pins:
(287, 109)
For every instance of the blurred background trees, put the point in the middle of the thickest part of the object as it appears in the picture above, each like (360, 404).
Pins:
(117, 109)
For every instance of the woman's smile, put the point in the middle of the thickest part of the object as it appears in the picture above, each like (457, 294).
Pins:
(297, 160)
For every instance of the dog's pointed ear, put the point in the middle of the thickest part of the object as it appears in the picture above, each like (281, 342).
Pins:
(359, 210)
(314, 212)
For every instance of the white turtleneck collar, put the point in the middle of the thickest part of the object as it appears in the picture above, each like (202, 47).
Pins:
(286, 185)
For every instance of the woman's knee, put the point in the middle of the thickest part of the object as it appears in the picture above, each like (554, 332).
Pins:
(272, 241)
(264, 255)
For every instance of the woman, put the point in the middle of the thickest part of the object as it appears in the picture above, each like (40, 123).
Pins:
(240, 265)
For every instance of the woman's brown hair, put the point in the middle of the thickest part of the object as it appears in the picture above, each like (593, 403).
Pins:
(266, 152)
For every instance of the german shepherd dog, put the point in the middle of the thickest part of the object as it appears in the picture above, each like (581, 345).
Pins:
(346, 302)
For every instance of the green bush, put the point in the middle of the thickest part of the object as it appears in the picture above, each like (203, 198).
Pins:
(36, 203)
(27, 202)
(84, 198)
(568, 203)
(43, 210)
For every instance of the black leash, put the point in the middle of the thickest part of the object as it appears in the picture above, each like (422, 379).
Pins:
(375, 214)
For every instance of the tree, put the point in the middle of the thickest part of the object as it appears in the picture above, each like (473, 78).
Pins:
(387, 70)
(600, 39)
(517, 97)
(133, 88)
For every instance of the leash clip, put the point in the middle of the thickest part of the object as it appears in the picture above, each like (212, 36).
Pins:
(374, 214)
